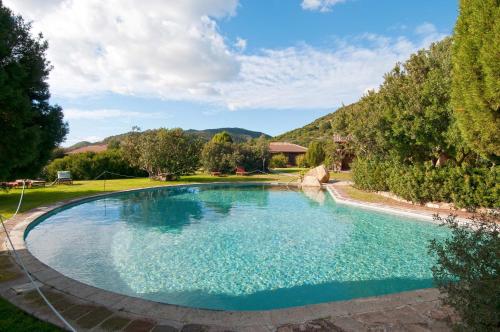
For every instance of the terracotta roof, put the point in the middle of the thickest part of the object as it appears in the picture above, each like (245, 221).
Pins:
(91, 148)
(278, 147)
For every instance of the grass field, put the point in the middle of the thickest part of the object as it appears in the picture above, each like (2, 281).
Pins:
(40, 196)
(15, 320)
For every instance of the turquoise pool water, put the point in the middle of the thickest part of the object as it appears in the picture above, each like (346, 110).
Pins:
(235, 247)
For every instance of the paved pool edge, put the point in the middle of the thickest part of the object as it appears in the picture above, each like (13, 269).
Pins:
(177, 317)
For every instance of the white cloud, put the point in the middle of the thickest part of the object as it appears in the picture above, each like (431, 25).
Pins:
(241, 44)
(102, 114)
(307, 77)
(320, 5)
(133, 47)
(174, 50)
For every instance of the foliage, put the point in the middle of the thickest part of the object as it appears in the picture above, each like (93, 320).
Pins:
(315, 154)
(162, 151)
(89, 165)
(31, 128)
(252, 156)
(218, 157)
(301, 161)
(369, 174)
(468, 271)
(415, 100)
(222, 137)
(464, 186)
(261, 150)
(476, 75)
(278, 161)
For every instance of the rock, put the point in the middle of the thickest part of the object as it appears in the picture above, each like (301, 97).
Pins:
(315, 193)
(310, 181)
(320, 173)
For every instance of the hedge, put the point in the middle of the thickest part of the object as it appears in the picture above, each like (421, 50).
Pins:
(464, 186)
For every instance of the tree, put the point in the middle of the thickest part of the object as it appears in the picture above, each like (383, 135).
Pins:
(315, 154)
(31, 128)
(415, 99)
(222, 137)
(169, 152)
(475, 89)
(467, 270)
(218, 157)
(262, 151)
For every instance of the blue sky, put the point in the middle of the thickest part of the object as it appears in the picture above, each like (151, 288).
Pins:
(269, 65)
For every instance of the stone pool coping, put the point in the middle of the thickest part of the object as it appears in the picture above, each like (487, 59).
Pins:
(354, 313)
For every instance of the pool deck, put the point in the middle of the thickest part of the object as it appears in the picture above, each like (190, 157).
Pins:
(89, 308)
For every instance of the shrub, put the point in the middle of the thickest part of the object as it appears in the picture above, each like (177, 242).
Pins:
(467, 271)
(369, 174)
(251, 157)
(300, 160)
(218, 157)
(279, 160)
(464, 186)
(87, 166)
(315, 154)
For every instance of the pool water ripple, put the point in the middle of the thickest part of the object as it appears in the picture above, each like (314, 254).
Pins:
(237, 247)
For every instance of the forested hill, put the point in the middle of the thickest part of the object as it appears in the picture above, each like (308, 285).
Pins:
(319, 129)
(239, 135)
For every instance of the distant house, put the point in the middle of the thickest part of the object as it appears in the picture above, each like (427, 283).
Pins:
(290, 150)
(90, 148)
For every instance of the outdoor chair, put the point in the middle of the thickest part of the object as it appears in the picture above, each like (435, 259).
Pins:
(241, 171)
(64, 177)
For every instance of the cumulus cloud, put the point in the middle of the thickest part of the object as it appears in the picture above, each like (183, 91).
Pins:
(320, 5)
(174, 50)
(133, 47)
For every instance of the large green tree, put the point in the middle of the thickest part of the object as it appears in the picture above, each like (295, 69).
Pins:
(30, 127)
(476, 75)
(171, 152)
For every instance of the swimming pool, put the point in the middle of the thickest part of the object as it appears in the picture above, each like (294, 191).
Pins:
(235, 247)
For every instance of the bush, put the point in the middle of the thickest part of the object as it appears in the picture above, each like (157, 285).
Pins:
(369, 174)
(467, 271)
(87, 166)
(300, 160)
(464, 186)
(218, 157)
(250, 157)
(278, 161)
(315, 154)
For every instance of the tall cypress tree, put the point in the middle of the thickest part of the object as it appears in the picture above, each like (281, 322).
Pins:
(30, 128)
(476, 75)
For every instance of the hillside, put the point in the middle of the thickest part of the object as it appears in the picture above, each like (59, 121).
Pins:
(319, 129)
(238, 134)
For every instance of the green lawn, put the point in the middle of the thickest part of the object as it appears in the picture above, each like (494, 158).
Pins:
(365, 196)
(15, 320)
(40, 196)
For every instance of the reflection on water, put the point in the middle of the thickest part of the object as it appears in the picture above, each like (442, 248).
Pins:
(235, 247)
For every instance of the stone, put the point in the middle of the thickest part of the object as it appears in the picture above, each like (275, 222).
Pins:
(140, 325)
(320, 173)
(310, 181)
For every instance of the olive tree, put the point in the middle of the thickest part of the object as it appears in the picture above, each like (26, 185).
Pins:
(169, 152)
